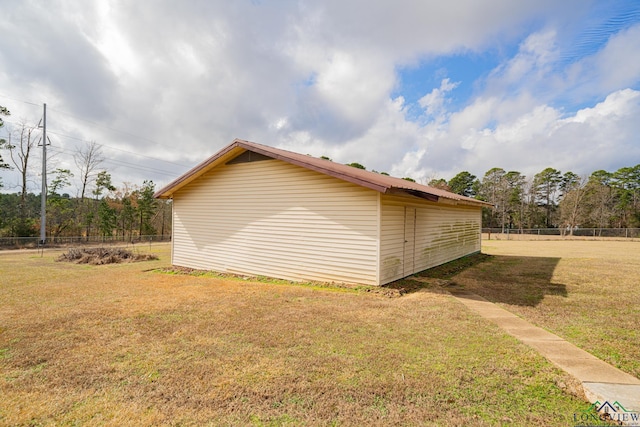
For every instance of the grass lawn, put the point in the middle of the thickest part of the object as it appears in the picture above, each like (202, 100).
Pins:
(588, 292)
(123, 345)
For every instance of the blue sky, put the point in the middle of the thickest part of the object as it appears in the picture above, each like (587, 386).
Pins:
(416, 88)
(466, 70)
(469, 69)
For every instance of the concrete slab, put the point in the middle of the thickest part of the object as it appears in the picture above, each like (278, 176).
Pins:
(600, 381)
(590, 370)
(523, 330)
(561, 349)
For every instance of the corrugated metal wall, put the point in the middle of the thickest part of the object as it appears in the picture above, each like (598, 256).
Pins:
(274, 219)
(417, 235)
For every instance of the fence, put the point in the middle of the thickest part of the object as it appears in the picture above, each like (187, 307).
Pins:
(620, 233)
(34, 242)
(533, 233)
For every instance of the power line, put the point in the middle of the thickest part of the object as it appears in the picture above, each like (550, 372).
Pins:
(120, 163)
(107, 146)
(98, 125)
(20, 100)
(117, 149)
(116, 163)
(105, 126)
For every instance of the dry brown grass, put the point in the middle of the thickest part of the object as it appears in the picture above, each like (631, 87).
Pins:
(588, 292)
(122, 345)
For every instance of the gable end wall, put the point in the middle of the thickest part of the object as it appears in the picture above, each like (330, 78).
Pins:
(270, 218)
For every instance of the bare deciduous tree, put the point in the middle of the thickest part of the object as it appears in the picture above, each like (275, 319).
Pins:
(88, 159)
(20, 153)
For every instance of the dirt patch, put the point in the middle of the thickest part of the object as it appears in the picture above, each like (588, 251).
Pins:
(100, 256)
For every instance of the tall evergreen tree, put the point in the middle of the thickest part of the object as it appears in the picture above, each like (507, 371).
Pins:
(440, 183)
(106, 219)
(600, 200)
(513, 188)
(356, 165)
(626, 181)
(463, 184)
(491, 188)
(546, 185)
(146, 208)
(60, 212)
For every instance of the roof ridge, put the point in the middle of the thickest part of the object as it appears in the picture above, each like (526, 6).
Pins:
(362, 177)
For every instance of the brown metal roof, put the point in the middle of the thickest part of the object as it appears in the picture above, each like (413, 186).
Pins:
(375, 181)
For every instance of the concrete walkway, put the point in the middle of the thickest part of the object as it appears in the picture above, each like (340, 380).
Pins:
(600, 381)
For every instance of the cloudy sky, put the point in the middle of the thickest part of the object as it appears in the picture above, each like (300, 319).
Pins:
(418, 88)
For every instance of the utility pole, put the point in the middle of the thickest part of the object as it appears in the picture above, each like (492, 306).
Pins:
(43, 196)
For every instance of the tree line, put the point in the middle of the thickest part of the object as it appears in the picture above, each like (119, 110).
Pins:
(549, 199)
(552, 199)
(98, 209)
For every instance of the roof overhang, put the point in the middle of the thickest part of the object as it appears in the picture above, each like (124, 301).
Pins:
(377, 182)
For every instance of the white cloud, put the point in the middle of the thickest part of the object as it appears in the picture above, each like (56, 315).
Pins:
(182, 80)
(434, 102)
(616, 66)
(408, 29)
(353, 86)
(531, 70)
(107, 37)
(594, 138)
(615, 105)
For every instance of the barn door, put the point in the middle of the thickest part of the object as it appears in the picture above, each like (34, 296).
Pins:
(409, 251)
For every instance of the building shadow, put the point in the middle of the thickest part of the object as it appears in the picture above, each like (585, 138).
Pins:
(516, 280)
(437, 278)
(523, 281)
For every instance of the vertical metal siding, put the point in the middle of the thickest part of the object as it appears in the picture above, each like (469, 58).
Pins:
(274, 219)
(442, 234)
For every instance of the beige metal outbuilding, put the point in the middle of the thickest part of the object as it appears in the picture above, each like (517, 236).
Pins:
(252, 209)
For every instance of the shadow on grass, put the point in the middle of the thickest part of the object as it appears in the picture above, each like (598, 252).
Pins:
(437, 277)
(515, 280)
(523, 281)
